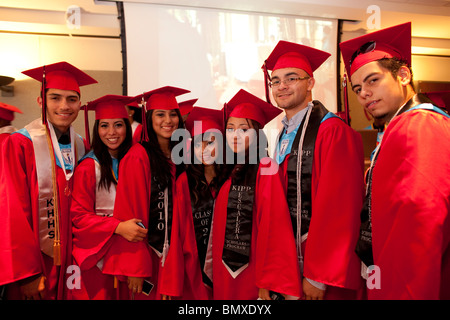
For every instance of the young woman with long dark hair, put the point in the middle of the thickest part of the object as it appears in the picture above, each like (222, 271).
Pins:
(145, 192)
(253, 247)
(197, 189)
(95, 180)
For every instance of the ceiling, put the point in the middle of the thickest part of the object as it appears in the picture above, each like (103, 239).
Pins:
(99, 17)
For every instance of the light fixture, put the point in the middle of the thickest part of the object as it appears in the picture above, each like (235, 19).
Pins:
(6, 89)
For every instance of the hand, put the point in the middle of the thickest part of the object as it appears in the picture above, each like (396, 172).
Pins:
(33, 288)
(264, 294)
(311, 292)
(135, 284)
(131, 231)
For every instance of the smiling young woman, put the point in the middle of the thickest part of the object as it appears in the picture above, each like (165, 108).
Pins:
(145, 192)
(93, 198)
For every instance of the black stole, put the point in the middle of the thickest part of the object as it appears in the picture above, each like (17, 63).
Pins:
(157, 218)
(238, 232)
(318, 112)
(364, 245)
(202, 217)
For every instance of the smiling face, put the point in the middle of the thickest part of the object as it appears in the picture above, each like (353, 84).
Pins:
(112, 132)
(62, 107)
(164, 123)
(240, 134)
(378, 91)
(295, 96)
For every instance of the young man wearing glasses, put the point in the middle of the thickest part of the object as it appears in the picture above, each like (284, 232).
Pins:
(405, 224)
(325, 183)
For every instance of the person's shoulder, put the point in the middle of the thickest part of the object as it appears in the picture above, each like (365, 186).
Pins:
(334, 124)
(420, 120)
(137, 153)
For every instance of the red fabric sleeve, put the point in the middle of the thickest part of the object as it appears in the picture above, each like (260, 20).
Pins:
(277, 267)
(411, 204)
(132, 201)
(20, 254)
(337, 195)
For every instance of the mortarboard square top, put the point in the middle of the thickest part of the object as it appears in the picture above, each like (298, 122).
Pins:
(109, 107)
(61, 75)
(186, 106)
(292, 55)
(246, 105)
(202, 119)
(162, 98)
(7, 111)
(385, 43)
(440, 98)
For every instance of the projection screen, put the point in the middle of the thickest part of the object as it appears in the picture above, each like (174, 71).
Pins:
(214, 53)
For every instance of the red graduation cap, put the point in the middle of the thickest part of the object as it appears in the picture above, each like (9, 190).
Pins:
(106, 107)
(202, 119)
(7, 111)
(246, 105)
(161, 98)
(386, 43)
(440, 99)
(186, 106)
(293, 55)
(109, 107)
(60, 75)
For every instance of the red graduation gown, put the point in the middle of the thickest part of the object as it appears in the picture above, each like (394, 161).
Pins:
(194, 288)
(337, 194)
(92, 235)
(138, 259)
(273, 260)
(20, 253)
(410, 208)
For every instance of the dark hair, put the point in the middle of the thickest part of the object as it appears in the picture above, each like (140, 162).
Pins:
(137, 115)
(394, 65)
(159, 164)
(104, 158)
(197, 173)
(238, 170)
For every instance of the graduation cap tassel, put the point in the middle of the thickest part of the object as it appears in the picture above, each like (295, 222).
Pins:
(44, 100)
(86, 127)
(225, 115)
(346, 110)
(266, 83)
(144, 136)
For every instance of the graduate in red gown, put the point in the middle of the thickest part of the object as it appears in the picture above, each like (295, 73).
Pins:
(6, 116)
(405, 222)
(145, 191)
(93, 198)
(325, 183)
(35, 189)
(253, 247)
(197, 189)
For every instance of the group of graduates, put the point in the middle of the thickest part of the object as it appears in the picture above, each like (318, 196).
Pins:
(121, 218)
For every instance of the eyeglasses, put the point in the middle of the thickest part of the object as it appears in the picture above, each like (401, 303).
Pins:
(365, 48)
(287, 81)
